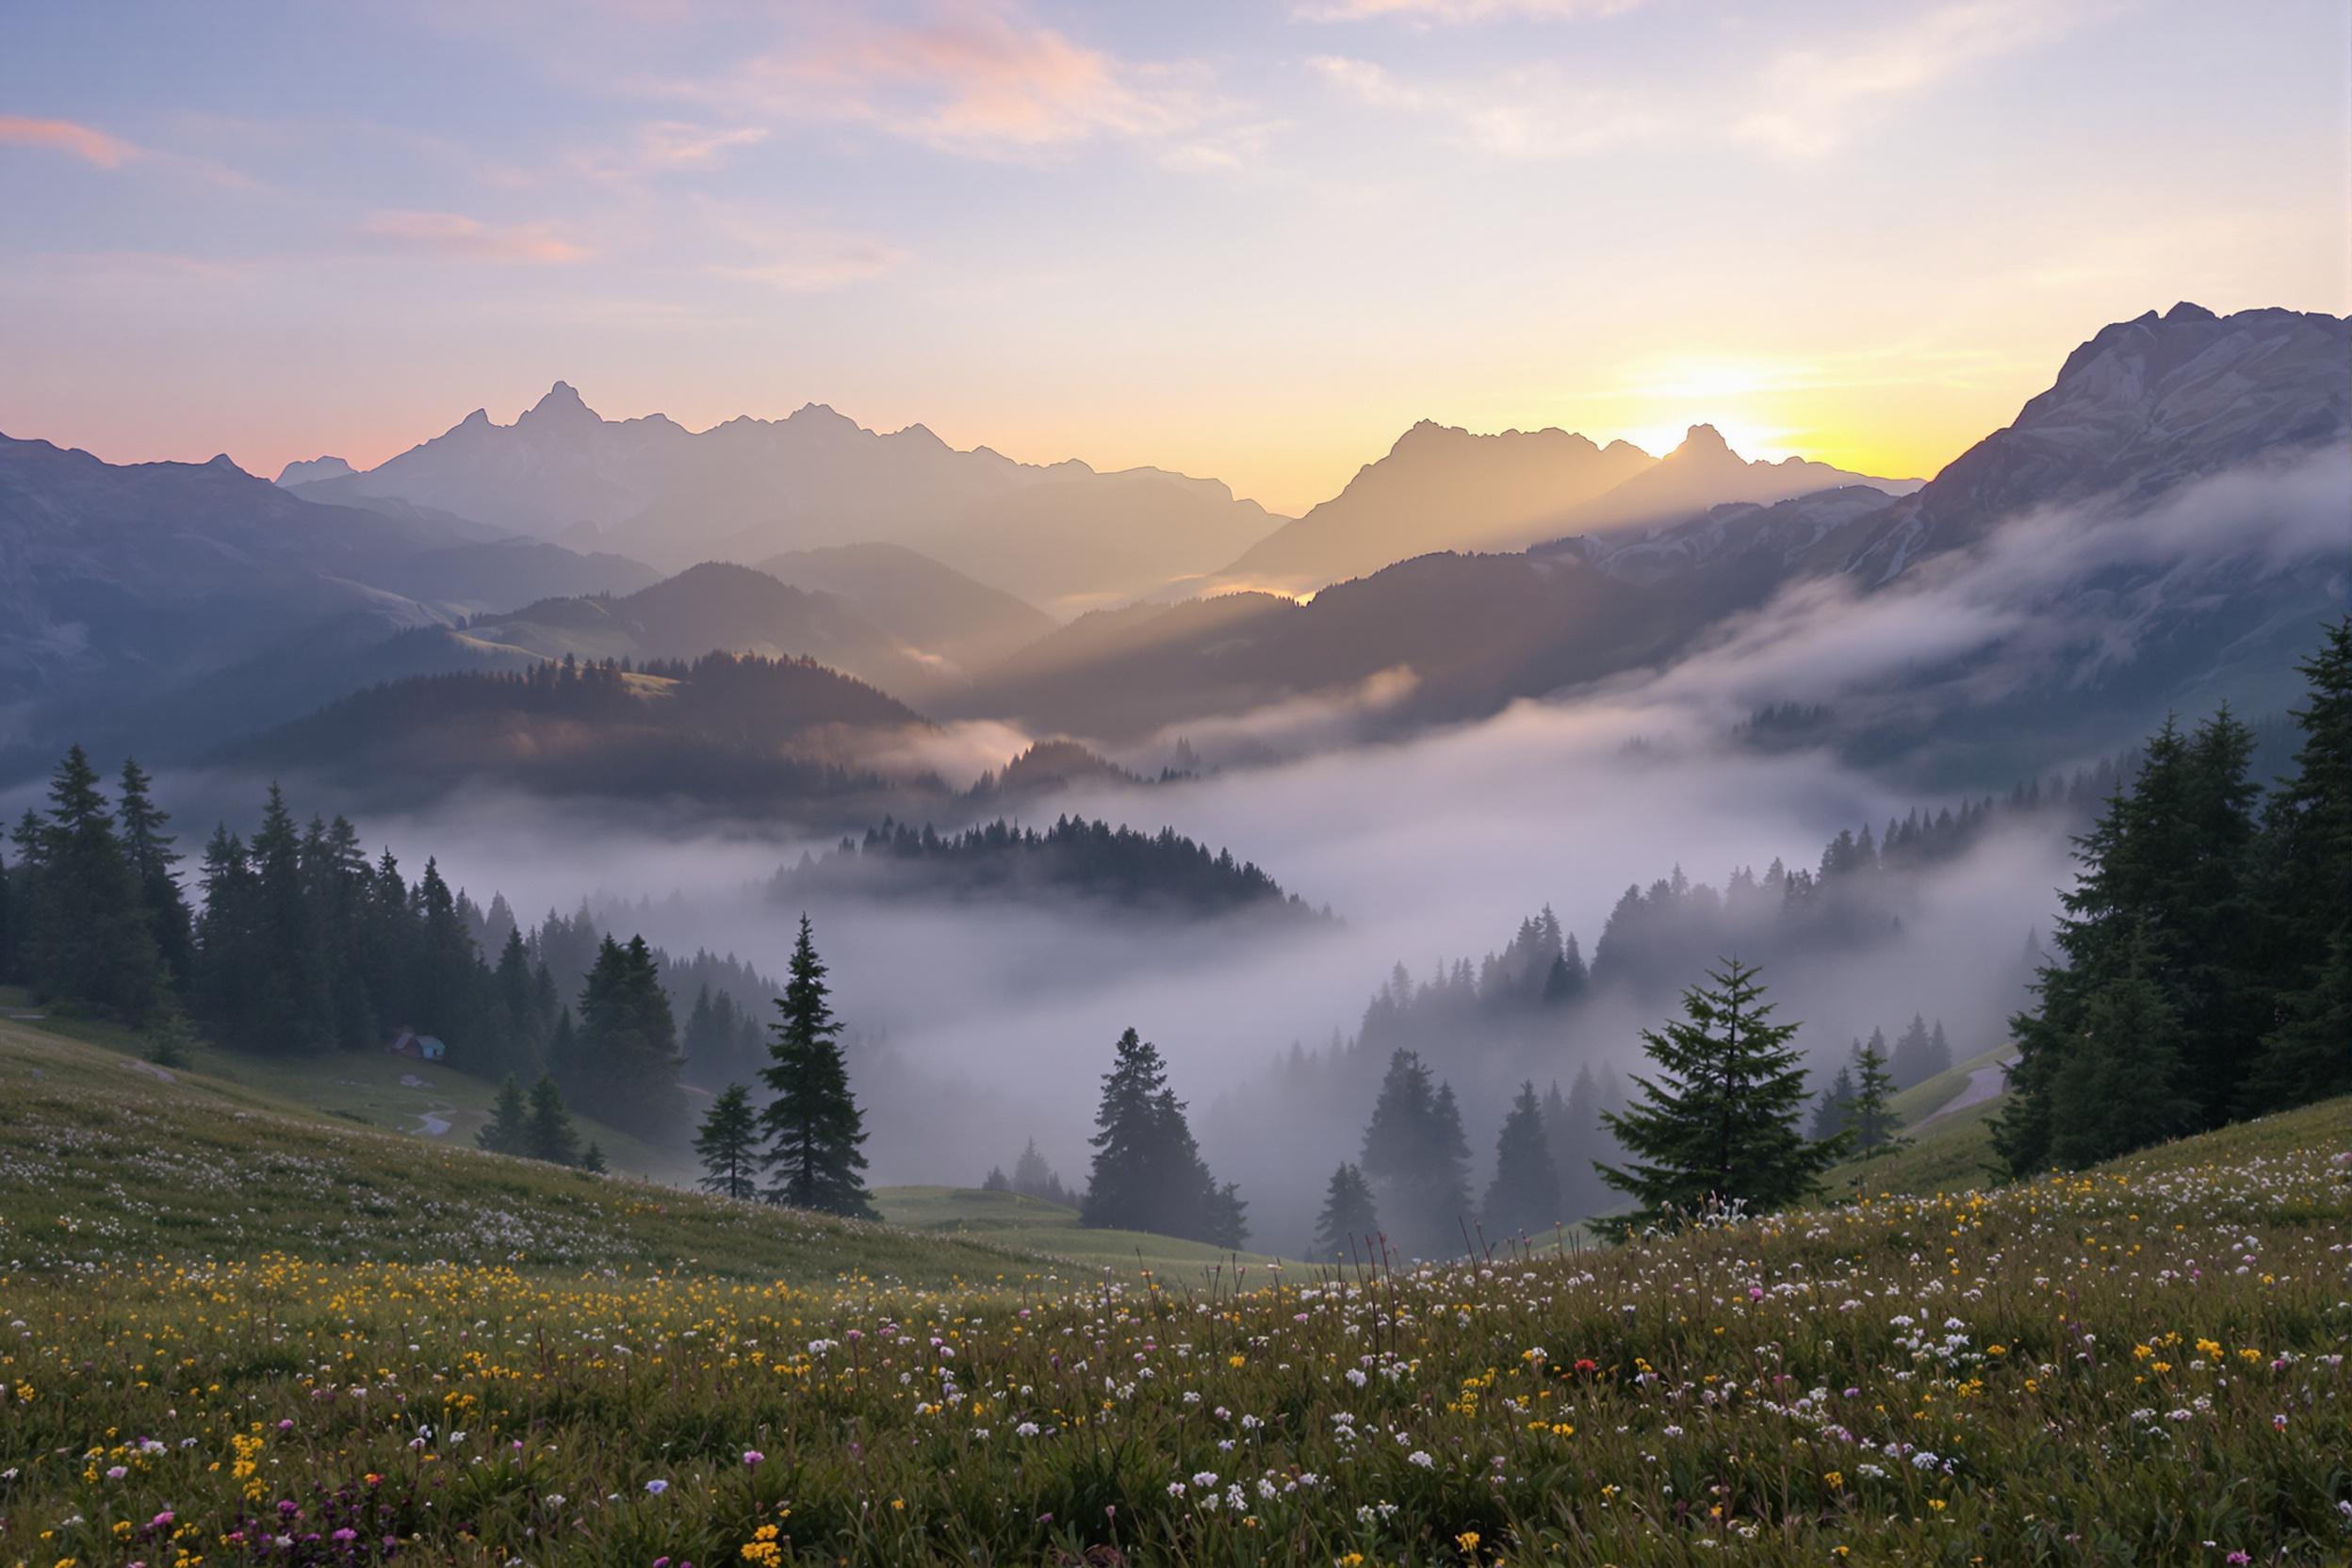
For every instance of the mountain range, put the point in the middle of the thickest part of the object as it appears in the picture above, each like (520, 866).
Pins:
(176, 606)
(2165, 608)
(1443, 488)
(749, 488)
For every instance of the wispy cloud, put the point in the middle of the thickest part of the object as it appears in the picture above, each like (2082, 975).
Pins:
(1454, 11)
(819, 264)
(977, 79)
(1813, 98)
(1527, 112)
(64, 136)
(676, 144)
(786, 251)
(1223, 151)
(1805, 100)
(459, 237)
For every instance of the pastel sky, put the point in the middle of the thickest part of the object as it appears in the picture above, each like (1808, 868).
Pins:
(1250, 240)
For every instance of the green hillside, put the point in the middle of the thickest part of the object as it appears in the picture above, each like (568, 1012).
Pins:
(1950, 1149)
(231, 1337)
(1008, 1219)
(104, 1157)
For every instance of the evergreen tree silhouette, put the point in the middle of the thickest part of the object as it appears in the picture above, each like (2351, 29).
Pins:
(815, 1131)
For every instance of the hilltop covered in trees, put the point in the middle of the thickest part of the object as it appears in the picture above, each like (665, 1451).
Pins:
(734, 730)
(295, 943)
(1073, 859)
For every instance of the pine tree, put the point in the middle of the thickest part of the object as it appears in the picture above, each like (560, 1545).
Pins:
(1148, 1173)
(1348, 1225)
(2125, 1083)
(151, 859)
(508, 1131)
(1873, 1126)
(1910, 1062)
(1719, 1122)
(550, 1135)
(1523, 1197)
(591, 1159)
(295, 1013)
(2164, 926)
(815, 1128)
(728, 1145)
(168, 1036)
(1832, 1113)
(2305, 879)
(996, 1181)
(86, 939)
(7, 924)
(622, 1065)
(1032, 1178)
(1417, 1160)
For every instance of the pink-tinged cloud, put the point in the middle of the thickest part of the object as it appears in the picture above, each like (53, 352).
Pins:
(455, 236)
(819, 266)
(676, 144)
(978, 80)
(64, 136)
(1460, 10)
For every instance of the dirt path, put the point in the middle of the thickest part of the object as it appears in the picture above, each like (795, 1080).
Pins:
(1982, 1085)
(151, 1070)
(431, 1124)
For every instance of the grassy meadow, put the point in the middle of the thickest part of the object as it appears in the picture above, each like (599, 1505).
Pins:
(237, 1332)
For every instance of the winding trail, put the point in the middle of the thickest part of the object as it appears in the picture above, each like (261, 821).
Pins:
(1982, 1085)
(431, 1123)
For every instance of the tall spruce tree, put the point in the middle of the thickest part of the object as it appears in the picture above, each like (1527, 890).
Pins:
(1148, 1173)
(550, 1135)
(9, 921)
(815, 1128)
(1871, 1124)
(152, 859)
(728, 1144)
(622, 1065)
(86, 939)
(1523, 1197)
(1417, 1160)
(1348, 1225)
(1720, 1121)
(2305, 881)
(1834, 1111)
(508, 1131)
(2163, 930)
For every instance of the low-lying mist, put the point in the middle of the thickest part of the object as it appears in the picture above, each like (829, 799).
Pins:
(977, 1026)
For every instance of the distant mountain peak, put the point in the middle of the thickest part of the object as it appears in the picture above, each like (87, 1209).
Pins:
(563, 404)
(1701, 441)
(305, 471)
(2186, 311)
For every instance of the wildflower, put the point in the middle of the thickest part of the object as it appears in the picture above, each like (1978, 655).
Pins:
(657, 1487)
(1422, 1458)
(1467, 1540)
(752, 1457)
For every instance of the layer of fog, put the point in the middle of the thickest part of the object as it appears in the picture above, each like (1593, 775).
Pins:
(978, 1027)
(981, 1026)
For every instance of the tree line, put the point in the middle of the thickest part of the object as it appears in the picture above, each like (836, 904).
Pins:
(1075, 857)
(2204, 968)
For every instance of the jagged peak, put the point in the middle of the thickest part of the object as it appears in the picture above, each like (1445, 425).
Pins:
(1701, 441)
(563, 401)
